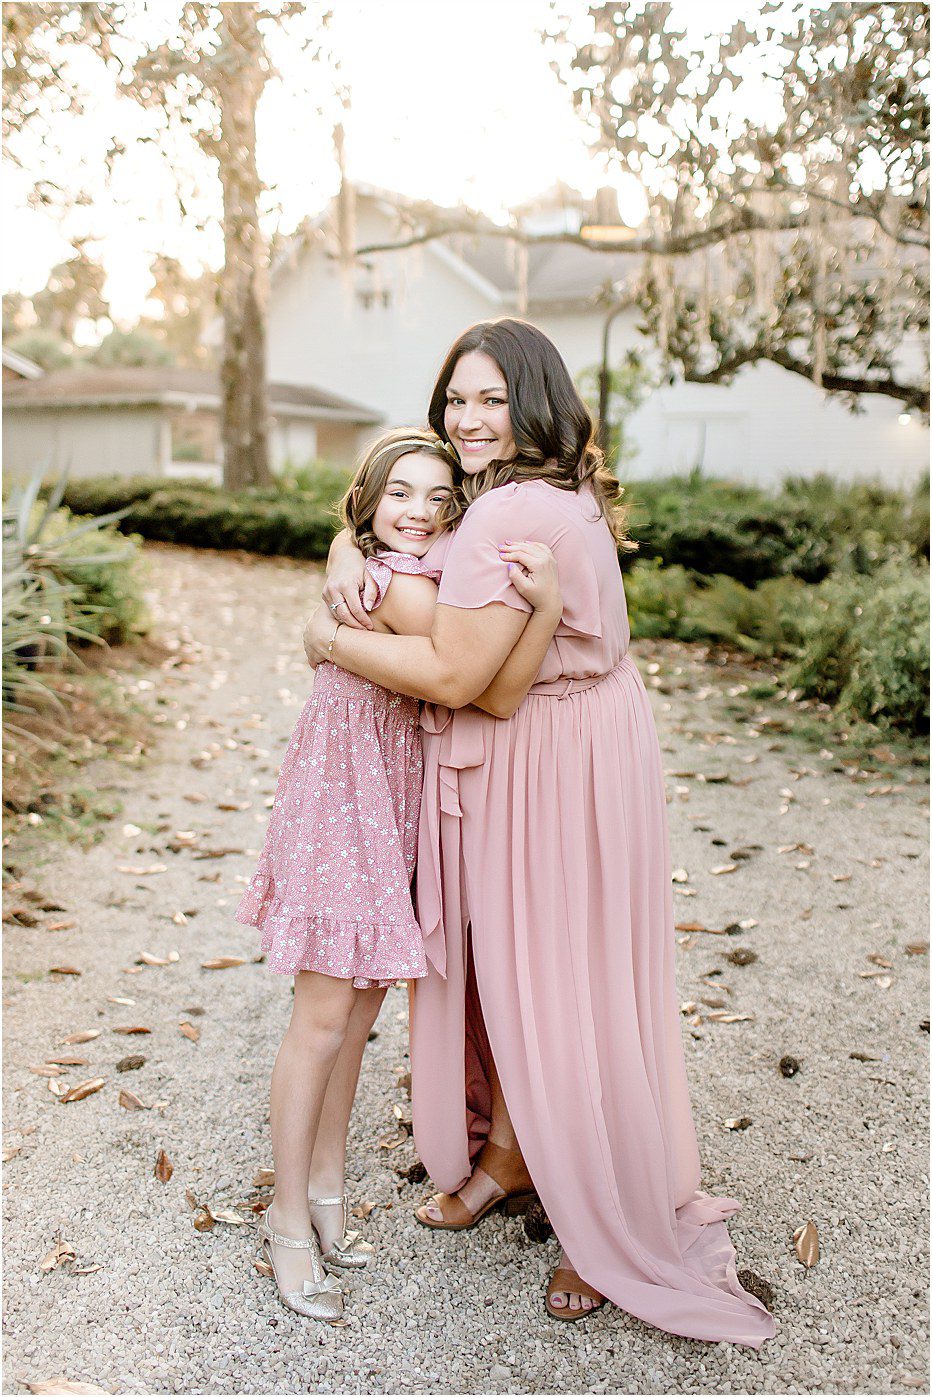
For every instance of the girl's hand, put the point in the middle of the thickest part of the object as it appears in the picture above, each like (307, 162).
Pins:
(317, 635)
(532, 572)
(349, 589)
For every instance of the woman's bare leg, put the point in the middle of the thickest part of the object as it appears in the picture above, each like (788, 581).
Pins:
(326, 1178)
(320, 1019)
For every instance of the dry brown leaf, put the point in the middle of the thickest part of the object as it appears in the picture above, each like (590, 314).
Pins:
(222, 963)
(179, 919)
(234, 804)
(68, 1061)
(738, 1123)
(121, 999)
(364, 1209)
(130, 1101)
(720, 1017)
(146, 958)
(84, 1089)
(203, 1220)
(881, 960)
(86, 1270)
(391, 1142)
(84, 1036)
(263, 1267)
(679, 875)
(690, 926)
(10, 1152)
(806, 1239)
(48, 1069)
(841, 877)
(56, 1088)
(724, 868)
(263, 1178)
(189, 1030)
(59, 1253)
(216, 853)
(141, 871)
(195, 798)
(227, 1215)
(63, 970)
(917, 948)
(163, 1167)
(127, 1029)
(65, 925)
(52, 1387)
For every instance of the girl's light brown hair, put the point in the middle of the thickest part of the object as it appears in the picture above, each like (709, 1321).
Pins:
(550, 422)
(359, 504)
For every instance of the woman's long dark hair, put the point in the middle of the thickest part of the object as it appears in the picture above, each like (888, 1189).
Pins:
(550, 422)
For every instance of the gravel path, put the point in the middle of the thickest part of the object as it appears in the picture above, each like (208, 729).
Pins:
(830, 865)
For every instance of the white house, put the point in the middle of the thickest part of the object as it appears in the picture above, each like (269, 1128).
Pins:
(161, 421)
(377, 331)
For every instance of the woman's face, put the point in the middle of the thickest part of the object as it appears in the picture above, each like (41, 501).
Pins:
(406, 517)
(476, 419)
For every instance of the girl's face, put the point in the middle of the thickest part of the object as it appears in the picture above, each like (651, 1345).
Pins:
(405, 520)
(476, 417)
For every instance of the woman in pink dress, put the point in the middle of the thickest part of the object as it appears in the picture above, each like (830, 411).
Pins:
(544, 888)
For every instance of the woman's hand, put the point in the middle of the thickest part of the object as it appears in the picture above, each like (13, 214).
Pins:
(532, 571)
(349, 588)
(317, 635)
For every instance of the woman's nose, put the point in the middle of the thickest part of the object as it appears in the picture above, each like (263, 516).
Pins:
(469, 418)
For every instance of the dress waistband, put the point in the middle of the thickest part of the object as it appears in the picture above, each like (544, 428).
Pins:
(562, 688)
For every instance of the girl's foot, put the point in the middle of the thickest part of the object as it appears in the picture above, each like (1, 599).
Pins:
(339, 1246)
(294, 1256)
(573, 1302)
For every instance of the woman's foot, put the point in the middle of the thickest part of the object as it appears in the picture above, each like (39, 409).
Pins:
(339, 1246)
(499, 1173)
(571, 1302)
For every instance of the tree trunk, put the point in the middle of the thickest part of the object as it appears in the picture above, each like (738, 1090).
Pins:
(244, 282)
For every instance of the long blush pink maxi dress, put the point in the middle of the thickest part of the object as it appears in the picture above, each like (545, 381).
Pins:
(544, 837)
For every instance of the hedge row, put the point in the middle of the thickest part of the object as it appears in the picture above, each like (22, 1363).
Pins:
(809, 529)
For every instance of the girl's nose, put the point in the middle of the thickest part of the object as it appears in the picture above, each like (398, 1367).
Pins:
(417, 509)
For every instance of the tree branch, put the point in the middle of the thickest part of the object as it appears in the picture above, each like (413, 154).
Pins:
(911, 395)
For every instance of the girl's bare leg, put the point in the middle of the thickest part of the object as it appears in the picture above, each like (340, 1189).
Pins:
(310, 1049)
(326, 1178)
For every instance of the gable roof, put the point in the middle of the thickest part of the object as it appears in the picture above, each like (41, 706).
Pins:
(137, 387)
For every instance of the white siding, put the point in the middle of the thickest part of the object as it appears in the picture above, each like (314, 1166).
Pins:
(321, 331)
(89, 441)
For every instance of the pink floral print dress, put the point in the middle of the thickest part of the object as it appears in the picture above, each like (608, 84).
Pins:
(332, 890)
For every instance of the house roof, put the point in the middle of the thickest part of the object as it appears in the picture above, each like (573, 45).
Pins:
(19, 364)
(139, 387)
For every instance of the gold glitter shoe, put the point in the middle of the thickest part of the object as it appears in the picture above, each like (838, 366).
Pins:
(320, 1298)
(350, 1251)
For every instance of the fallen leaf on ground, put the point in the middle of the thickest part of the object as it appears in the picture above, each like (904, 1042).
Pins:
(56, 1088)
(49, 1387)
(141, 871)
(121, 999)
(222, 963)
(189, 1030)
(392, 1141)
(59, 1253)
(917, 948)
(64, 925)
(68, 1061)
(130, 1028)
(690, 926)
(85, 1035)
(679, 875)
(720, 1017)
(10, 1152)
(263, 1178)
(86, 1270)
(48, 1069)
(234, 805)
(146, 958)
(179, 919)
(216, 853)
(725, 868)
(738, 1123)
(131, 1063)
(806, 1239)
(227, 1215)
(203, 1220)
(263, 1267)
(163, 1167)
(63, 970)
(863, 1057)
(364, 1209)
(84, 1089)
(130, 1101)
(881, 960)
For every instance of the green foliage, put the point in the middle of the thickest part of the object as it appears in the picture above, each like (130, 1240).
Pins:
(129, 349)
(657, 600)
(865, 645)
(282, 519)
(44, 347)
(65, 581)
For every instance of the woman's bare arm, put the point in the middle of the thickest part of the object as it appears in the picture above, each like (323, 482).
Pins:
(452, 666)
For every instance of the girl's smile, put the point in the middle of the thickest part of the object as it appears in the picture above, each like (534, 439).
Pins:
(405, 520)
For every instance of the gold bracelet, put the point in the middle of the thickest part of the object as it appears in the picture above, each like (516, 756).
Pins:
(332, 639)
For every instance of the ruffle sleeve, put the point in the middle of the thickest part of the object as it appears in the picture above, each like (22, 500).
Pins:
(383, 566)
(474, 575)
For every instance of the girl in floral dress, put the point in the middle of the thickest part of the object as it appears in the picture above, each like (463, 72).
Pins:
(332, 891)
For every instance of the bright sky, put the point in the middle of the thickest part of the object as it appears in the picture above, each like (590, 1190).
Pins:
(451, 101)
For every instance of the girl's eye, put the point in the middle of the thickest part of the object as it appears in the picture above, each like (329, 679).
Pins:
(398, 494)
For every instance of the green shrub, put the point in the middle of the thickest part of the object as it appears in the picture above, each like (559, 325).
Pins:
(865, 645)
(657, 598)
(762, 620)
